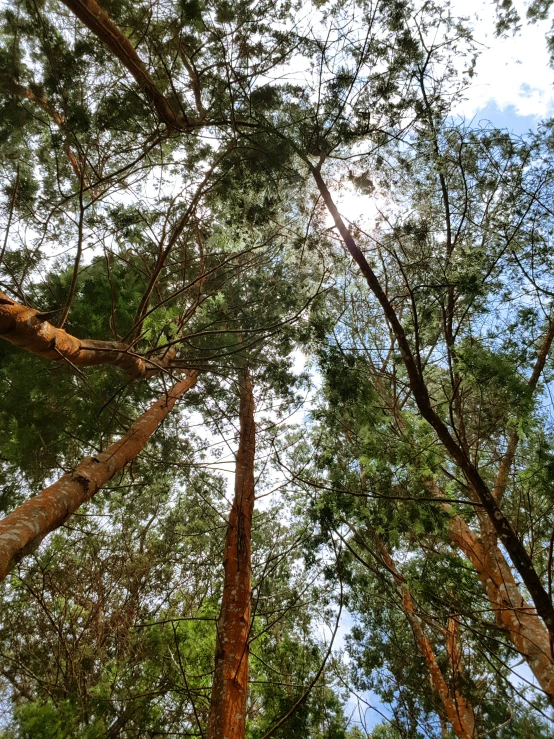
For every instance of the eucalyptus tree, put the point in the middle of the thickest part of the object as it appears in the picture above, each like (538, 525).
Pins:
(487, 302)
(451, 437)
(497, 197)
(424, 640)
(111, 627)
(175, 256)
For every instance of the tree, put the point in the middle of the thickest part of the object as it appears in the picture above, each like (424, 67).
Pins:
(230, 683)
(192, 187)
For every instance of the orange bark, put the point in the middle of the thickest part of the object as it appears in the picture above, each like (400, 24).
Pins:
(453, 646)
(524, 628)
(97, 20)
(227, 717)
(24, 327)
(520, 620)
(458, 711)
(23, 529)
(25, 92)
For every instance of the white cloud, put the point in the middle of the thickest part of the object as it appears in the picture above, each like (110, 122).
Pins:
(511, 71)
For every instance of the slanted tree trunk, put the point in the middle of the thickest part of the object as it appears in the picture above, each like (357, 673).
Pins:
(517, 617)
(23, 529)
(24, 327)
(101, 25)
(458, 711)
(227, 716)
(488, 499)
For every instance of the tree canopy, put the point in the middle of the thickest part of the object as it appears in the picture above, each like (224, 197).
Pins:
(266, 471)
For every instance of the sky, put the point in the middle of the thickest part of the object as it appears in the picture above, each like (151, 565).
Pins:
(513, 88)
(514, 84)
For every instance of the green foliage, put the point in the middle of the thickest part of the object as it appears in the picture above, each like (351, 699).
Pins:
(209, 238)
(49, 721)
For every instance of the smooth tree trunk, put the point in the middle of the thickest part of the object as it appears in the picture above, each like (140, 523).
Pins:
(23, 529)
(26, 328)
(458, 711)
(227, 716)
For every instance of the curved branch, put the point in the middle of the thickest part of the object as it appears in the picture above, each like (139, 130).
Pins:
(25, 327)
(27, 94)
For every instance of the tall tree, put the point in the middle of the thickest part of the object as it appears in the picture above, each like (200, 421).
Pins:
(169, 196)
(227, 716)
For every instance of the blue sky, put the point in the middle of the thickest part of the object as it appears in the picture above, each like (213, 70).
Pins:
(508, 118)
(513, 84)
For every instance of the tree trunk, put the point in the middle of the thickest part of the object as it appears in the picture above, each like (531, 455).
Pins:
(23, 529)
(227, 717)
(518, 618)
(97, 20)
(24, 327)
(502, 526)
(457, 709)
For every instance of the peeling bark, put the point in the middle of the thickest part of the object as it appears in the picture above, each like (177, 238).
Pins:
(23, 529)
(24, 327)
(518, 618)
(227, 717)
(101, 25)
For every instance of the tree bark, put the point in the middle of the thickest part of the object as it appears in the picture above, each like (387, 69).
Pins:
(101, 25)
(457, 709)
(502, 526)
(23, 529)
(227, 716)
(24, 327)
(518, 618)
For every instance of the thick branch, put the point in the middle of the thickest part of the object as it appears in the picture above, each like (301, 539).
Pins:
(97, 21)
(24, 327)
(23, 529)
